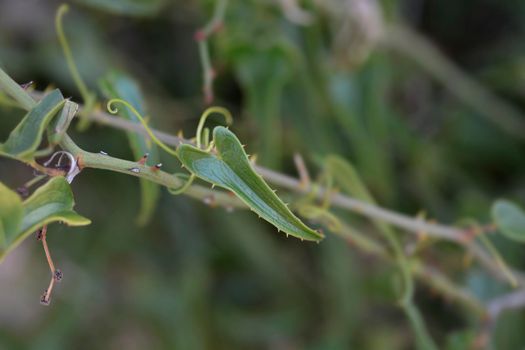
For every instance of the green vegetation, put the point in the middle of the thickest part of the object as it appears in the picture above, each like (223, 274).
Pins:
(389, 153)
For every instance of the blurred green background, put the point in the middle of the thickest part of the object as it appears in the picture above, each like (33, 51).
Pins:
(317, 79)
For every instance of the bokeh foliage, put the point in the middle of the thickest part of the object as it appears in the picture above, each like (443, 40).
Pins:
(196, 277)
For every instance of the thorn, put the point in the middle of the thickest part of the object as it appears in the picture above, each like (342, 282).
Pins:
(134, 170)
(199, 35)
(22, 191)
(182, 166)
(301, 239)
(25, 86)
(278, 230)
(209, 200)
(287, 235)
(213, 73)
(156, 167)
(142, 160)
(218, 26)
(103, 153)
(212, 186)
(180, 134)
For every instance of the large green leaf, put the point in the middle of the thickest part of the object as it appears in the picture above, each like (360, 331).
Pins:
(26, 137)
(510, 220)
(50, 203)
(231, 169)
(118, 85)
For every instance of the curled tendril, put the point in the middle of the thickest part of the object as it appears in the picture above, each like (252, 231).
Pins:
(114, 110)
(87, 96)
(221, 110)
(206, 138)
(183, 188)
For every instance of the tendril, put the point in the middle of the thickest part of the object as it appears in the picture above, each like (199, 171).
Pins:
(221, 110)
(185, 186)
(499, 260)
(87, 96)
(114, 110)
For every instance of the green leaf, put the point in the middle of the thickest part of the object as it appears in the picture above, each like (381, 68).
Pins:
(135, 8)
(510, 220)
(231, 170)
(59, 125)
(347, 177)
(118, 85)
(26, 137)
(11, 212)
(50, 203)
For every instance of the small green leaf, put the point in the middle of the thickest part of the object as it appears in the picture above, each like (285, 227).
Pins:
(26, 137)
(59, 125)
(118, 85)
(510, 220)
(50, 203)
(135, 8)
(347, 177)
(11, 212)
(231, 170)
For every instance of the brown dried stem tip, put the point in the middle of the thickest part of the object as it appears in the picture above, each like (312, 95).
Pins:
(56, 274)
(142, 160)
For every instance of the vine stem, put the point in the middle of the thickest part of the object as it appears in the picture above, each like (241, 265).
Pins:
(431, 277)
(409, 224)
(103, 161)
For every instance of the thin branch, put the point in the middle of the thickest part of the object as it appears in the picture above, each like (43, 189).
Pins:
(495, 307)
(511, 301)
(302, 170)
(151, 173)
(408, 223)
(429, 276)
(202, 36)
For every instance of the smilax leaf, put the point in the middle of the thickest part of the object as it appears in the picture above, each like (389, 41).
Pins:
(231, 170)
(50, 203)
(24, 140)
(510, 220)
